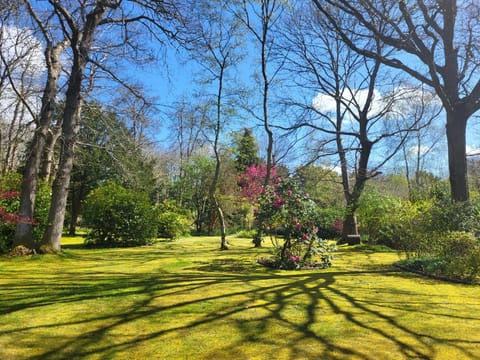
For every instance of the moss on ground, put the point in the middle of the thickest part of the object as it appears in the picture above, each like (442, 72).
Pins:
(188, 300)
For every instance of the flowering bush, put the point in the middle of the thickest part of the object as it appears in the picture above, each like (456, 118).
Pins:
(287, 213)
(10, 185)
(252, 181)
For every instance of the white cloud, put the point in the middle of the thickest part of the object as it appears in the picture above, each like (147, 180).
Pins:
(354, 100)
(414, 150)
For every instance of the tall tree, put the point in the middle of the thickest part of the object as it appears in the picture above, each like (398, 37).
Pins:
(217, 51)
(188, 127)
(261, 18)
(89, 50)
(349, 111)
(435, 42)
(54, 48)
(21, 68)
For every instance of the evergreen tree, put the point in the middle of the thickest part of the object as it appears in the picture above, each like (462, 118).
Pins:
(246, 150)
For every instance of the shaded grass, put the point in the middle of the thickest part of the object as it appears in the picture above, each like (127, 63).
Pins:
(187, 300)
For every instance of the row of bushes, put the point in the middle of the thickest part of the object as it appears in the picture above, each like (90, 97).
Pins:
(438, 236)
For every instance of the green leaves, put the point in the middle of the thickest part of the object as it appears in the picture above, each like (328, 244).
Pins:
(119, 217)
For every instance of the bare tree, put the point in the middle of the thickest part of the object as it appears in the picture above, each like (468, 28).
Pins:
(435, 42)
(188, 123)
(425, 137)
(79, 24)
(260, 18)
(350, 115)
(216, 49)
(53, 50)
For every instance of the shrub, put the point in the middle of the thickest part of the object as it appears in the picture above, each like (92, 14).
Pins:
(286, 212)
(116, 216)
(446, 215)
(329, 222)
(375, 215)
(461, 250)
(246, 234)
(454, 255)
(390, 221)
(172, 222)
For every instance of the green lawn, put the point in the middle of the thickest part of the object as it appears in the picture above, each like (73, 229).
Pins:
(187, 300)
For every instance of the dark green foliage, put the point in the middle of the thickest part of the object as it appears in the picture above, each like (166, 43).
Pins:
(116, 216)
(446, 215)
(106, 151)
(246, 150)
(172, 221)
(325, 219)
(10, 185)
(191, 189)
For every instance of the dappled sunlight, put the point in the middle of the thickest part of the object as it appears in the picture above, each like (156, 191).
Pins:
(182, 300)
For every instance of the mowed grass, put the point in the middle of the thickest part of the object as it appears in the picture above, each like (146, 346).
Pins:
(188, 300)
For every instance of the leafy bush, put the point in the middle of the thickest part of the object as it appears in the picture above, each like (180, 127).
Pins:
(454, 255)
(390, 221)
(10, 185)
(461, 250)
(329, 223)
(446, 215)
(116, 216)
(246, 234)
(172, 222)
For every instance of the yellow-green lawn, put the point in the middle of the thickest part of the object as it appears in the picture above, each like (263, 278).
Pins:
(188, 300)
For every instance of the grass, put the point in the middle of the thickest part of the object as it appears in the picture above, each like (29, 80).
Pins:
(187, 300)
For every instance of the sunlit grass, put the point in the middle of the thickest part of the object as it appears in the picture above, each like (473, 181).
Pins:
(188, 300)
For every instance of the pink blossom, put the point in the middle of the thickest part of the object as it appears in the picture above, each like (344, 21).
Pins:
(305, 236)
(278, 202)
(289, 192)
(252, 181)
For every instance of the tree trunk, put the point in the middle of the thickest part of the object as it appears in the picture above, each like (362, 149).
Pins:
(46, 167)
(56, 216)
(74, 211)
(28, 193)
(221, 217)
(457, 158)
(81, 44)
(350, 233)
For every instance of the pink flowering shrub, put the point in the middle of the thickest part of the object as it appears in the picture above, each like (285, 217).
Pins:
(288, 214)
(252, 181)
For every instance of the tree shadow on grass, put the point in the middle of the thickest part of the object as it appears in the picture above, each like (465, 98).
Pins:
(312, 315)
